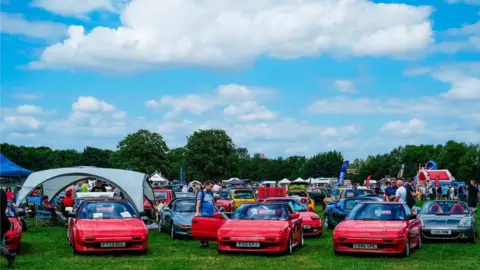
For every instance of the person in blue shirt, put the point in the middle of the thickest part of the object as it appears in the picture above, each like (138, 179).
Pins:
(445, 192)
(390, 192)
(205, 205)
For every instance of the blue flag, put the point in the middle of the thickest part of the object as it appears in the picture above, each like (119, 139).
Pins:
(343, 173)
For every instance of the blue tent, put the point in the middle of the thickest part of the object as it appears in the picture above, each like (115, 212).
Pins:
(10, 169)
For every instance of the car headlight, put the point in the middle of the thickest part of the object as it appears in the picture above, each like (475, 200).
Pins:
(465, 222)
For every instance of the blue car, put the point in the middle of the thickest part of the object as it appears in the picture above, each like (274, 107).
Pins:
(335, 212)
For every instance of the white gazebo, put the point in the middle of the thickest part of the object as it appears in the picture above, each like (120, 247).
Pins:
(284, 182)
(299, 179)
(158, 178)
(132, 184)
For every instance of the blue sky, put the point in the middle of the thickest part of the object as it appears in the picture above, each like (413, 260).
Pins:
(282, 77)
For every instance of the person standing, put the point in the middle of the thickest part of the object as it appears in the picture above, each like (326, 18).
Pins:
(5, 226)
(401, 193)
(84, 187)
(445, 192)
(73, 190)
(390, 192)
(410, 196)
(439, 192)
(472, 195)
(99, 187)
(205, 205)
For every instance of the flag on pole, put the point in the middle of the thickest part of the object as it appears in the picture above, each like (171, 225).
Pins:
(367, 182)
(343, 173)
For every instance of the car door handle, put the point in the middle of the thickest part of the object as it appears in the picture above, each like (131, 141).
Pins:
(195, 221)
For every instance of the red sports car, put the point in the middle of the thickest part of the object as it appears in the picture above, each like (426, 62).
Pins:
(110, 225)
(312, 225)
(378, 227)
(13, 237)
(224, 200)
(255, 227)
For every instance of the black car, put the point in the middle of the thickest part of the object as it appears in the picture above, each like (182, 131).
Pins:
(335, 212)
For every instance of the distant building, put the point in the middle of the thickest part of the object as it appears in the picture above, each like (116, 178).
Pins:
(259, 155)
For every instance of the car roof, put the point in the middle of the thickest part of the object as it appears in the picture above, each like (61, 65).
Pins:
(382, 202)
(281, 198)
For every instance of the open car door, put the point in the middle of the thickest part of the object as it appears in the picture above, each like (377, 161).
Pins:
(206, 228)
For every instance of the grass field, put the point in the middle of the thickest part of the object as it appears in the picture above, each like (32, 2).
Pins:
(47, 248)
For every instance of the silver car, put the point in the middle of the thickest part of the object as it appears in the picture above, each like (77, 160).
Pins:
(447, 220)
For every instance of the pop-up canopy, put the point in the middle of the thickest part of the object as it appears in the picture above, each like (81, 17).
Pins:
(10, 169)
(134, 185)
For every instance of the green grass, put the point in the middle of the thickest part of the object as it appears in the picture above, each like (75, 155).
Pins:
(47, 248)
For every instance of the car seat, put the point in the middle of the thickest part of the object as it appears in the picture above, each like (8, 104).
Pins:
(457, 209)
(435, 209)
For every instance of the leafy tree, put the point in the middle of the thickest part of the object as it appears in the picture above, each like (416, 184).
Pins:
(177, 159)
(92, 156)
(211, 155)
(142, 151)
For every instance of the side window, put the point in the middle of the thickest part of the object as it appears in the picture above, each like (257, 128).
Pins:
(349, 194)
(407, 210)
(171, 205)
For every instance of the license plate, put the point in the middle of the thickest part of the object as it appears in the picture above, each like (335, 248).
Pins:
(365, 246)
(307, 227)
(248, 244)
(441, 232)
(113, 244)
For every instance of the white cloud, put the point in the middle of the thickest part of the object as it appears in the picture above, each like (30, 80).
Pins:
(238, 97)
(417, 71)
(16, 24)
(29, 109)
(425, 106)
(76, 8)
(91, 104)
(469, 2)
(26, 96)
(21, 122)
(214, 33)
(169, 127)
(397, 128)
(249, 111)
(463, 86)
(466, 37)
(345, 86)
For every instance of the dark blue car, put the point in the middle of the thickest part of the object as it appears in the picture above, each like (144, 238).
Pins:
(335, 212)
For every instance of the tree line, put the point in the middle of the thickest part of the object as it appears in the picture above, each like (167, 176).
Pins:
(212, 155)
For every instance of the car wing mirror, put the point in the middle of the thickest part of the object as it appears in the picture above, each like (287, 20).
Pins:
(295, 216)
(218, 215)
(221, 209)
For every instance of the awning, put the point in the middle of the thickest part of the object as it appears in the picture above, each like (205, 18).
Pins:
(133, 184)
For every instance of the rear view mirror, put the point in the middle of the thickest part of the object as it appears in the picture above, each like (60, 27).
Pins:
(218, 215)
(142, 214)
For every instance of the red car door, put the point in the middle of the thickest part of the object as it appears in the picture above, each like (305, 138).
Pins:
(296, 229)
(206, 228)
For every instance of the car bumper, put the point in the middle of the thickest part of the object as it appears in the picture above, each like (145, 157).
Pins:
(273, 245)
(311, 228)
(384, 246)
(456, 233)
(183, 231)
(83, 245)
(12, 242)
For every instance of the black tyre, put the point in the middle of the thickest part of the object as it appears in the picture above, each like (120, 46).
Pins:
(172, 231)
(406, 251)
(289, 249)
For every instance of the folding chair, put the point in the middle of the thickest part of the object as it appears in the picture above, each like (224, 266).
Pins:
(42, 217)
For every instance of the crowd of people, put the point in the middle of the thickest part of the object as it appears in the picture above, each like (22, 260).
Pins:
(397, 190)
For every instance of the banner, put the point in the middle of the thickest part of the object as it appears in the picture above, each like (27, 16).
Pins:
(367, 183)
(343, 173)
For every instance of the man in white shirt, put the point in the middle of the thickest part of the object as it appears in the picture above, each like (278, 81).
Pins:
(216, 188)
(401, 193)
